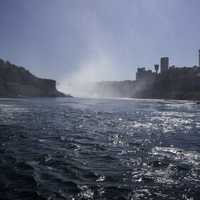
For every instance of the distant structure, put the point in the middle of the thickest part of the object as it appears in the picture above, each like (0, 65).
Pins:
(146, 75)
(199, 58)
(143, 74)
(156, 67)
(164, 64)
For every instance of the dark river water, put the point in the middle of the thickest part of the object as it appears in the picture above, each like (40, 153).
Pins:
(62, 148)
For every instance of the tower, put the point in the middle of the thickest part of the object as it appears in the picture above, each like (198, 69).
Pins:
(164, 64)
(199, 59)
(156, 67)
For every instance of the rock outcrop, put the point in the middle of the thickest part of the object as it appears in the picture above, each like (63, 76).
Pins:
(18, 82)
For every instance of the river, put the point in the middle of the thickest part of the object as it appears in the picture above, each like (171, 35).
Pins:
(102, 149)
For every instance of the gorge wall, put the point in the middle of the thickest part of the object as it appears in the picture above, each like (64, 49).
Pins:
(16, 81)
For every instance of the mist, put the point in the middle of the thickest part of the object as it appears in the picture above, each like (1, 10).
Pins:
(83, 81)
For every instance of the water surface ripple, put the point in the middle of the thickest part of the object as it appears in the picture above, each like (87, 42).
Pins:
(56, 149)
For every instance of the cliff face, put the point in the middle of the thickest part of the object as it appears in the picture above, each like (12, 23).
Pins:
(18, 82)
(183, 83)
(178, 83)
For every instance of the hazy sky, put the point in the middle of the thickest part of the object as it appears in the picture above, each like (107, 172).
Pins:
(105, 39)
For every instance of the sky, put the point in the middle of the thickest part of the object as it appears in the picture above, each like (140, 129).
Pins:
(98, 39)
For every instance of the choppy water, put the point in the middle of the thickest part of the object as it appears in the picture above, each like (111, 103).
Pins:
(99, 149)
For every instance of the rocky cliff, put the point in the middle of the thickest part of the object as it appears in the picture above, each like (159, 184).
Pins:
(18, 82)
(176, 83)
